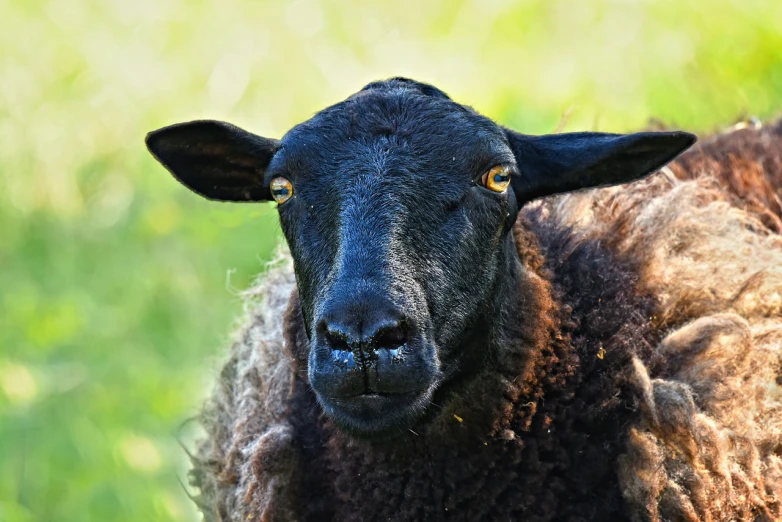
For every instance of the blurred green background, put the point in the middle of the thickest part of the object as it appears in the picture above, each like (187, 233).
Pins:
(118, 287)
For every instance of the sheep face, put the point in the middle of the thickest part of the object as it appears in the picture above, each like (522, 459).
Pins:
(396, 205)
(396, 245)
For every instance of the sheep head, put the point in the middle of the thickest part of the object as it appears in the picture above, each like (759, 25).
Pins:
(396, 205)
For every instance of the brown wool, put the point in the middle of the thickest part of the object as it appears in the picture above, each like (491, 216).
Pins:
(670, 343)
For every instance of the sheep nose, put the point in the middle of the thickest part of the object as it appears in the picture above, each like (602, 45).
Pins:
(364, 345)
(387, 332)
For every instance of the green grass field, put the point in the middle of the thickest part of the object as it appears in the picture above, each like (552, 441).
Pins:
(119, 288)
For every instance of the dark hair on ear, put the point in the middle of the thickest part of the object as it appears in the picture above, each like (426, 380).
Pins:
(399, 82)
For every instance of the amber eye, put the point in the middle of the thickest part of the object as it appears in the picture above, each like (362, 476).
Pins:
(497, 178)
(281, 189)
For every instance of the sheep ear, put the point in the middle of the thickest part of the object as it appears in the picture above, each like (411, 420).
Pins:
(557, 163)
(215, 159)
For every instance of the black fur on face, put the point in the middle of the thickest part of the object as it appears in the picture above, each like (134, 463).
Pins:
(403, 258)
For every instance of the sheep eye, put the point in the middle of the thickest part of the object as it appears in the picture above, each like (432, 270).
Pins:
(496, 179)
(281, 189)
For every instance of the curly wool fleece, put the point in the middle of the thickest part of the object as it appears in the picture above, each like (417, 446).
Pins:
(656, 311)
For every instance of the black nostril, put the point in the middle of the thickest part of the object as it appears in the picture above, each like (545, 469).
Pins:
(390, 336)
(335, 338)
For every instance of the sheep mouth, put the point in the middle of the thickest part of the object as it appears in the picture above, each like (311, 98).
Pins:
(377, 415)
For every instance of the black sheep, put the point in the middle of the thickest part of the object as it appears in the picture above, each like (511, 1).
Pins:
(443, 355)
